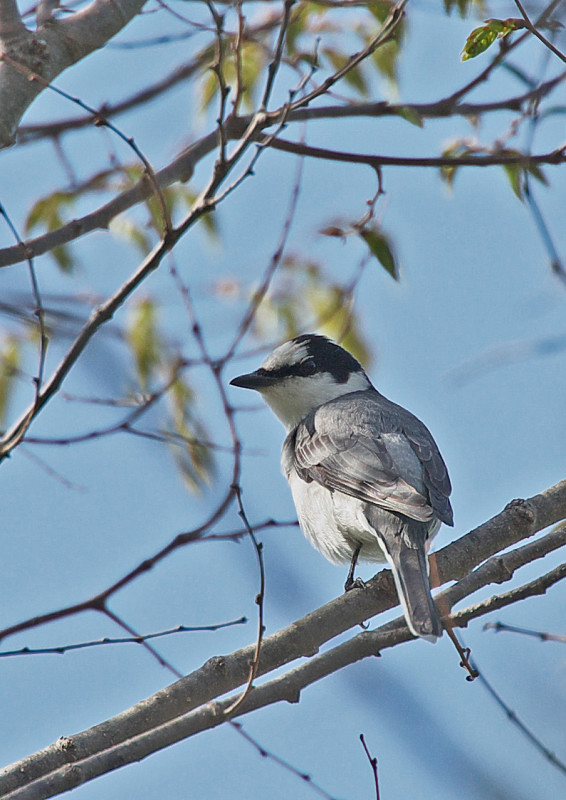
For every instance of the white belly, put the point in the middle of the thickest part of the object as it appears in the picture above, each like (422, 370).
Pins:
(335, 523)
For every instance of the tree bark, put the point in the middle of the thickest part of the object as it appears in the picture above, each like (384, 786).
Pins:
(32, 60)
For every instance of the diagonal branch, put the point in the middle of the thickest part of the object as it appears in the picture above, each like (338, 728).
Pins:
(188, 706)
(534, 30)
(40, 781)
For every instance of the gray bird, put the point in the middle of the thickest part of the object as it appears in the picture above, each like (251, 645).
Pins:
(367, 478)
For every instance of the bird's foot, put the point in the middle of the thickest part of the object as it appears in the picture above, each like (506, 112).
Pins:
(354, 584)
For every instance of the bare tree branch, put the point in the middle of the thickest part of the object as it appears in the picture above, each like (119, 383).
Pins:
(56, 46)
(11, 24)
(493, 159)
(188, 706)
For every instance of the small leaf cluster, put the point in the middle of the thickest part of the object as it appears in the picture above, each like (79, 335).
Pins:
(303, 297)
(377, 241)
(157, 364)
(238, 61)
(516, 173)
(10, 361)
(51, 212)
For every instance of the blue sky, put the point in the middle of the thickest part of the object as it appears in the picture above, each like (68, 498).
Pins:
(475, 281)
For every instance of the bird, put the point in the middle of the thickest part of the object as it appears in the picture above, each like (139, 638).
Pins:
(367, 478)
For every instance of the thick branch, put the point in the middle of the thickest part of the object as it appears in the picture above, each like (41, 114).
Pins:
(11, 24)
(180, 169)
(56, 46)
(173, 710)
(286, 687)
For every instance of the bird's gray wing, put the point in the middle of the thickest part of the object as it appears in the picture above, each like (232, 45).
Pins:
(357, 444)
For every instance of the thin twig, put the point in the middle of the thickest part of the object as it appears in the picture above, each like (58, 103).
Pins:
(142, 640)
(534, 30)
(276, 61)
(66, 648)
(304, 776)
(524, 160)
(543, 636)
(260, 600)
(100, 121)
(373, 763)
(39, 314)
(218, 69)
(260, 293)
(216, 369)
(238, 44)
(514, 719)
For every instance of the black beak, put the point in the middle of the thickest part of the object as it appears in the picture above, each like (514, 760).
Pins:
(253, 380)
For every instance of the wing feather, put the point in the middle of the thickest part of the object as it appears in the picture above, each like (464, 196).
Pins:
(372, 449)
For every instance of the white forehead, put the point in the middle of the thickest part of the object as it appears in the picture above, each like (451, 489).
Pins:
(286, 354)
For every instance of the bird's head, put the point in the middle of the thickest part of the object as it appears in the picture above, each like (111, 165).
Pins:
(302, 374)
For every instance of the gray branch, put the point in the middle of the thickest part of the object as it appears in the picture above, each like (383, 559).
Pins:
(190, 706)
(11, 24)
(55, 46)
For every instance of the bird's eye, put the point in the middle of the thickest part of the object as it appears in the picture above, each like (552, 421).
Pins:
(307, 367)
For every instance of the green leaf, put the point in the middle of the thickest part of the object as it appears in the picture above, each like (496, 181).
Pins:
(210, 220)
(464, 6)
(354, 76)
(483, 37)
(127, 229)
(478, 41)
(297, 26)
(355, 345)
(10, 359)
(47, 214)
(380, 9)
(194, 457)
(408, 113)
(63, 258)
(332, 306)
(386, 57)
(448, 172)
(143, 337)
(252, 62)
(209, 90)
(515, 174)
(536, 171)
(379, 247)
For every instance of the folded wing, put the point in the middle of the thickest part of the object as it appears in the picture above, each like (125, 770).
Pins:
(367, 447)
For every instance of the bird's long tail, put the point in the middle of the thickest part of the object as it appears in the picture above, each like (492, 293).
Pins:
(405, 551)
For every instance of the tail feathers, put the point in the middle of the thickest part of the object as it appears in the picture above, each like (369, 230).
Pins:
(405, 552)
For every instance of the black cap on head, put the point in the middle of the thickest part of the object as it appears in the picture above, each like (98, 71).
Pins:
(304, 356)
(329, 356)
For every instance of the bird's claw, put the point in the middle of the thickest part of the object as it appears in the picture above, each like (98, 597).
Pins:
(354, 584)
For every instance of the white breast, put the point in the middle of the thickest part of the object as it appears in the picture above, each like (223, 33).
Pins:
(334, 523)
